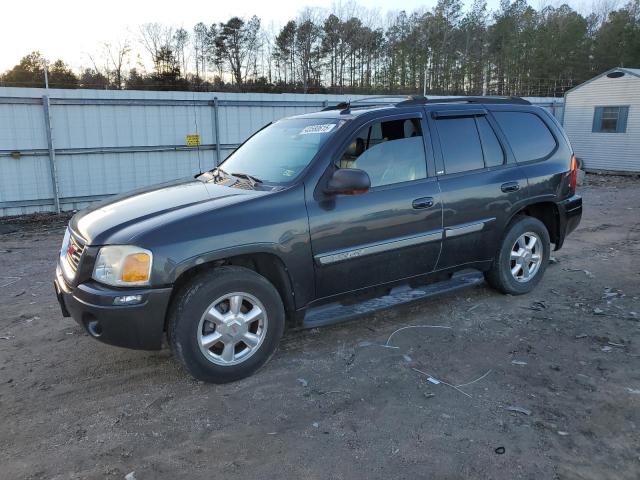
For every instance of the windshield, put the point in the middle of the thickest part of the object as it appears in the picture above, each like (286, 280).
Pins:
(279, 152)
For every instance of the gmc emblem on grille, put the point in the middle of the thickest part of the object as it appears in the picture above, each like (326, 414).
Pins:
(72, 249)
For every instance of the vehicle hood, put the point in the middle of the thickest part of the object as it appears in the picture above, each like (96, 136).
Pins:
(126, 215)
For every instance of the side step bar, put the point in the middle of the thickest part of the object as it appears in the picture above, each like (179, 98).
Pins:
(335, 312)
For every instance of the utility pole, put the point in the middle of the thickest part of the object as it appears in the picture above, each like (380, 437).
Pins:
(424, 85)
(46, 74)
(485, 80)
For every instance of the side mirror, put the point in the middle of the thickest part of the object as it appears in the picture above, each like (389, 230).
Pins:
(348, 181)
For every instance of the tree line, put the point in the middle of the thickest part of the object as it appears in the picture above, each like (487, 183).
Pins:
(447, 50)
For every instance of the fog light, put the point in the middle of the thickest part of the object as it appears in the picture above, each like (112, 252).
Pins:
(95, 328)
(127, 300)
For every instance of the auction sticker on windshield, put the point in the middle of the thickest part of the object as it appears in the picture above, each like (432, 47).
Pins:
(323, 128)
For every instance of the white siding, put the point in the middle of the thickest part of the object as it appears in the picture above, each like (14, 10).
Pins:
(605, 151)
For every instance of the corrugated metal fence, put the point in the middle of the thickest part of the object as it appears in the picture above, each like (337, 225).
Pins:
(61, 149)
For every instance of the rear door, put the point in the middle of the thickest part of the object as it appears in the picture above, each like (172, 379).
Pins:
(394, 230)
(480, 183)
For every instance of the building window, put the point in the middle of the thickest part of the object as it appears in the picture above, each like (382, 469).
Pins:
(610, 119)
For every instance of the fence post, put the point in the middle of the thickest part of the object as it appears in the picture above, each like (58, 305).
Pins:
(216, 121)
(46, 105)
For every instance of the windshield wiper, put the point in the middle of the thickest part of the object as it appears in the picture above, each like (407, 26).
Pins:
(253, 180)
(217, 174)
(220, 172)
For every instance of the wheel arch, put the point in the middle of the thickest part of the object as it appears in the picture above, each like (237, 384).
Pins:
(267, 264)
(547, 212)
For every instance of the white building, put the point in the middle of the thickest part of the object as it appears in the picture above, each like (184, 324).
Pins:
(602, 119)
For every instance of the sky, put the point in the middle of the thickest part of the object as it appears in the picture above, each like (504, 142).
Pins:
(74, 29)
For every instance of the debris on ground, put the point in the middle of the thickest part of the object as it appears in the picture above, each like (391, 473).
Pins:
(537, 306)
(413, 326)
(6, 281)
(519, 410)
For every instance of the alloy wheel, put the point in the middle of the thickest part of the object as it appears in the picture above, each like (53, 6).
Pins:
(232, 328)
(526, 257)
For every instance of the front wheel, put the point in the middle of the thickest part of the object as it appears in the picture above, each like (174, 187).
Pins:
(225, 324)
(522, 258)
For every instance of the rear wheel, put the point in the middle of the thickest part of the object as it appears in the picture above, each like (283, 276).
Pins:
(523, 256)
(225, 324)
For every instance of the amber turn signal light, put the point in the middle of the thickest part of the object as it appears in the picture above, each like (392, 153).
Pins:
(136, 268)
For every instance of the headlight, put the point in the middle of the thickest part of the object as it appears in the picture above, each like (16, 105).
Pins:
(123, 266)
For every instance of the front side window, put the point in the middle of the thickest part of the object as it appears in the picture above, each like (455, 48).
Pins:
(610, 119)
(390, 152)
(278, 153)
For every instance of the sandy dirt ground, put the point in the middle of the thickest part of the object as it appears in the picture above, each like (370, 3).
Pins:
(561, 399)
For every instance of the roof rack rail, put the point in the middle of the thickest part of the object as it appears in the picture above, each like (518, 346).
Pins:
(487, 99)
(409, 100)
(377, 100)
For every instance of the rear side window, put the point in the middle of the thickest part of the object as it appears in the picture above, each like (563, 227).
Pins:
(527, 134)
(493, 154)
(468, 143)
(460, 144)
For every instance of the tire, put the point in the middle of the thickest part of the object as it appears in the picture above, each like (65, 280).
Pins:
(217, 310)
(522, 230)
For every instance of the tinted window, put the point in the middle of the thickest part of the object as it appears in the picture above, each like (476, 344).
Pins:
(460, 144)
(493, 154)
(390, 152)
(527, 134)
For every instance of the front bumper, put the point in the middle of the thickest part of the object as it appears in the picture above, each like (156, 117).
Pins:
(570, 214)
(139, 326)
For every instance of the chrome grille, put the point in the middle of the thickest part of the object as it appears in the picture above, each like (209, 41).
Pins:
(74, 253)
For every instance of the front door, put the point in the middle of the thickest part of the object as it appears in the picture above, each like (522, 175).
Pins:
(391, 232)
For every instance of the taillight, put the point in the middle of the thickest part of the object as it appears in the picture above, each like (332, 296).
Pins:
(573, 173)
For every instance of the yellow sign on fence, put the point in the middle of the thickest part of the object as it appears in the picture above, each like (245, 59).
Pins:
(193, 140)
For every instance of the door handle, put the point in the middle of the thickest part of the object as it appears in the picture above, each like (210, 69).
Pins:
(424, 202)
(510, 187)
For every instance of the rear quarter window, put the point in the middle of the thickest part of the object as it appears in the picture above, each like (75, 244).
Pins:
(528, 135)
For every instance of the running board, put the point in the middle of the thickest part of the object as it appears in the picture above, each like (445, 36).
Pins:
(336, 312)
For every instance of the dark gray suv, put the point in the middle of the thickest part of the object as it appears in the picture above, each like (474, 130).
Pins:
(321, 217)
